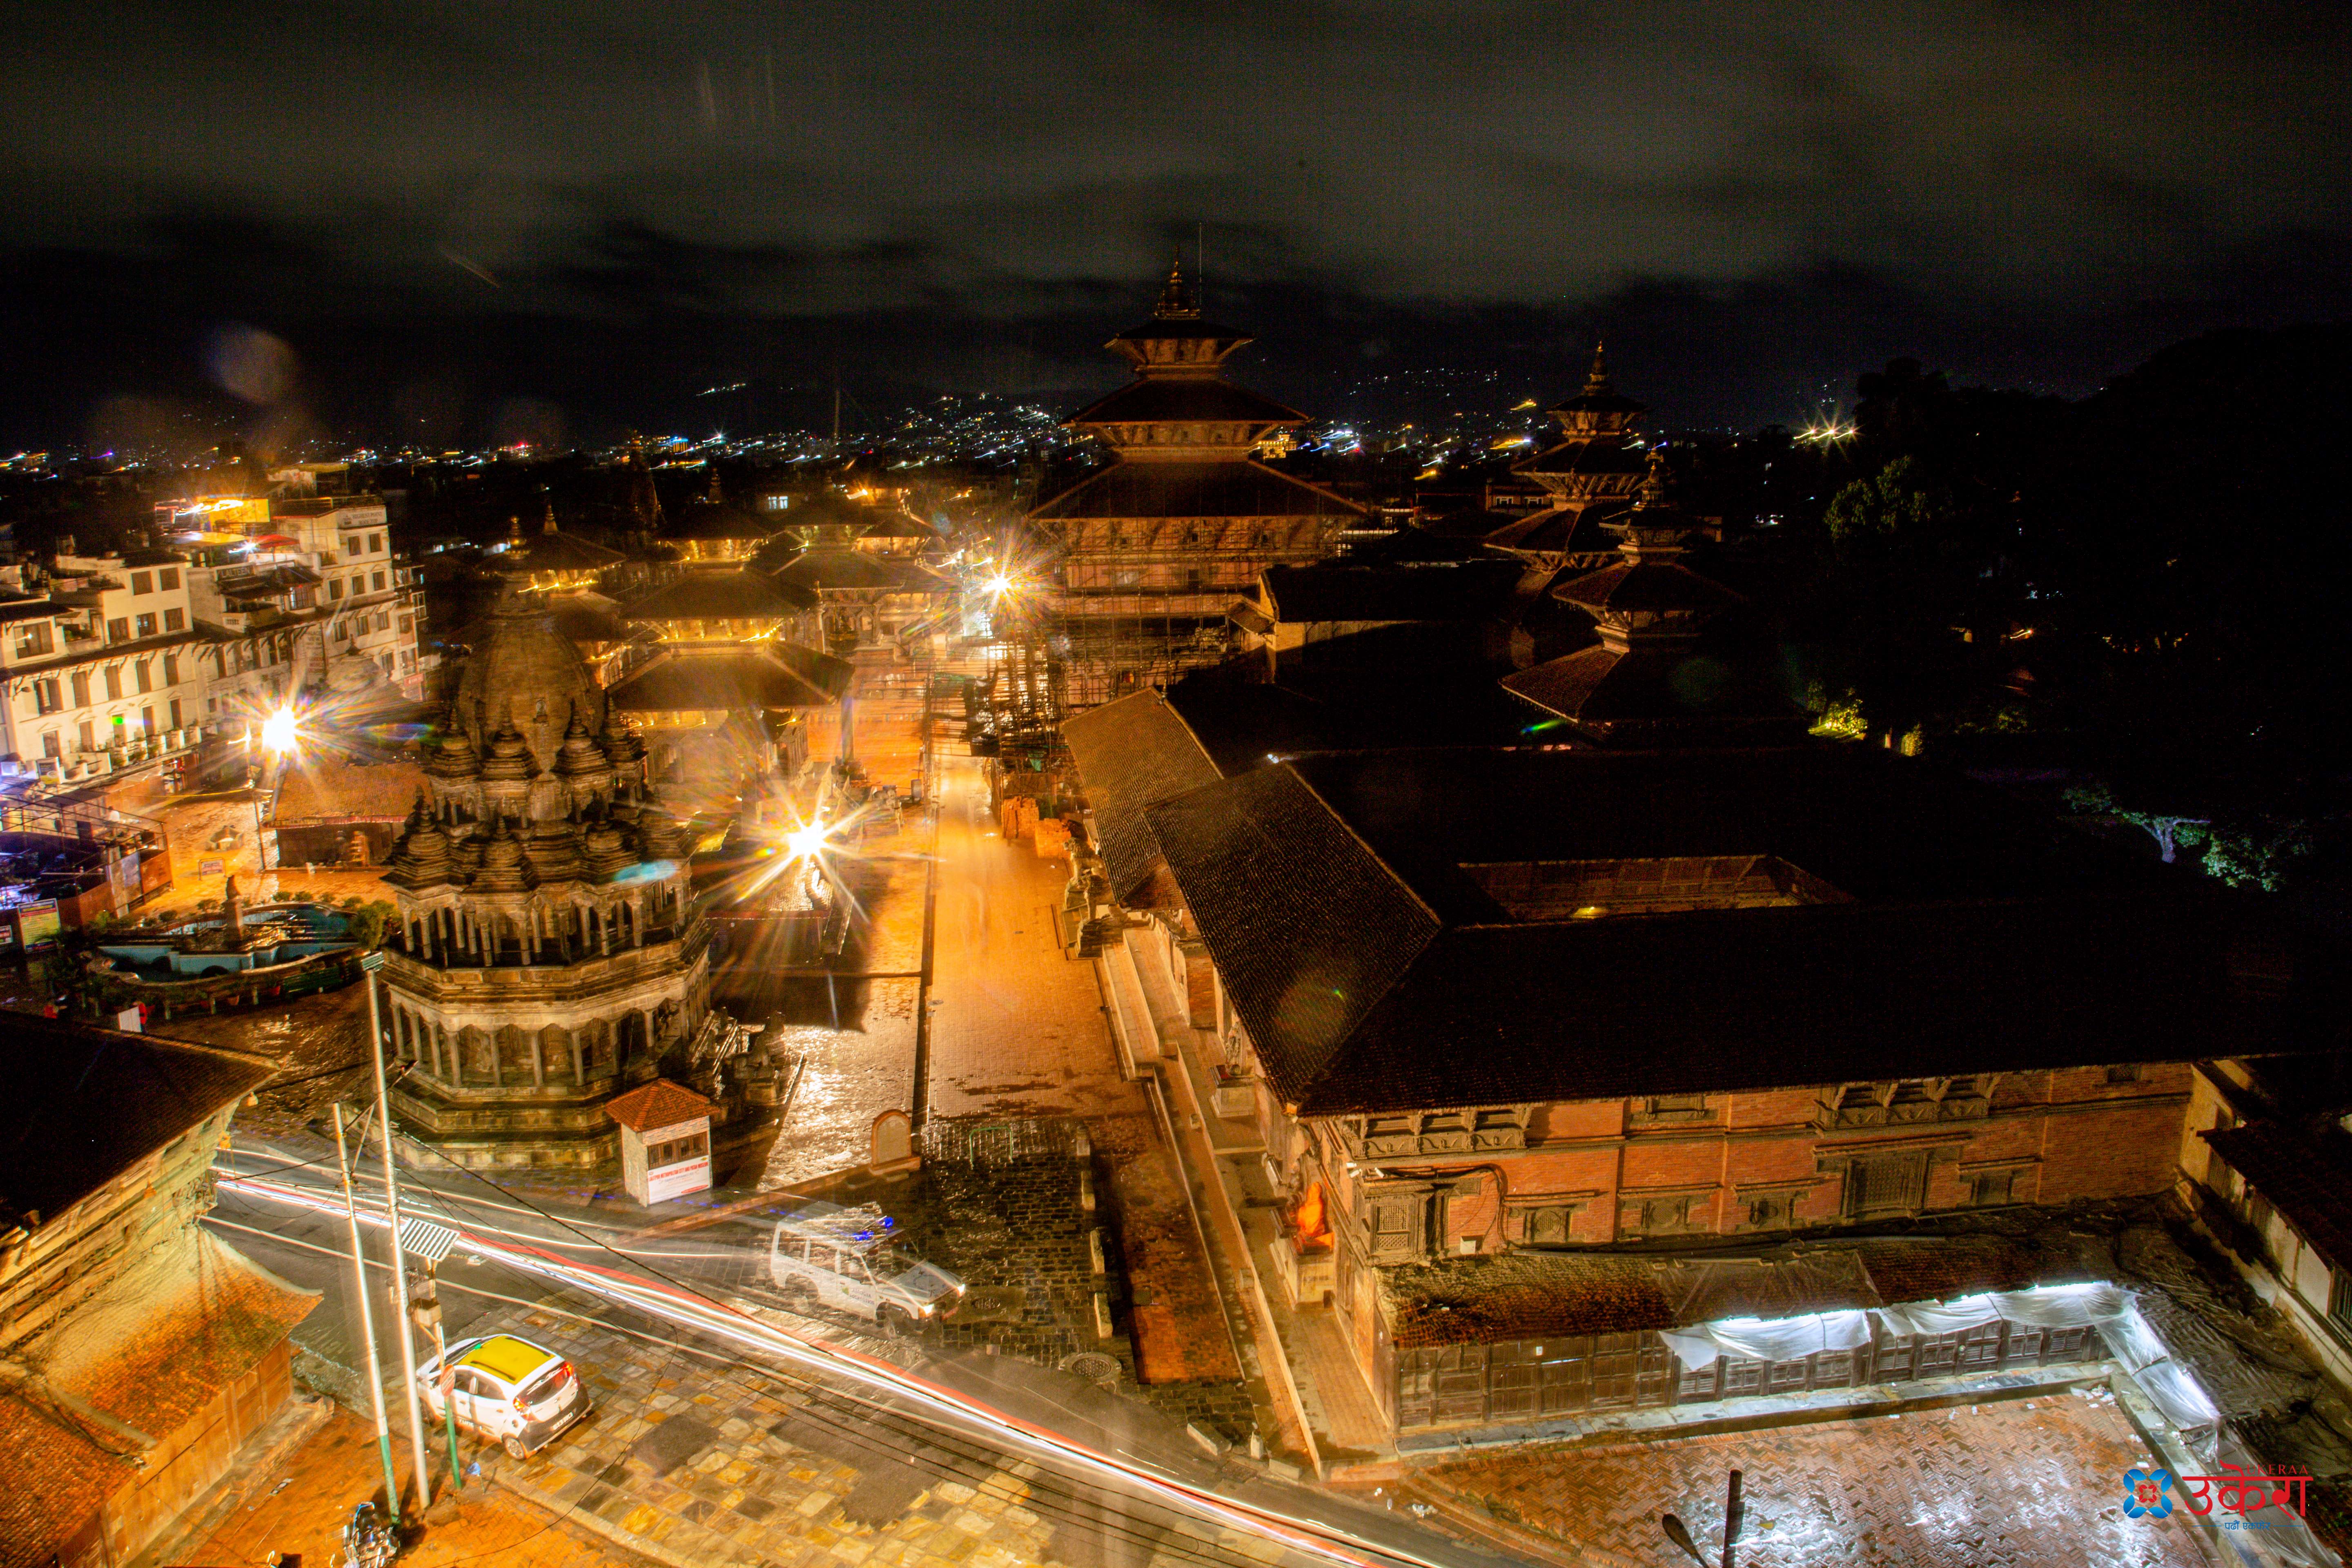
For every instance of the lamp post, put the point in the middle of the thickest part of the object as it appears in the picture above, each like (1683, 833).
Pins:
(1679, 1533)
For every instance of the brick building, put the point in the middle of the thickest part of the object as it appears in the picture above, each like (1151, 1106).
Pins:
(1507, 1016)
(137, 1353)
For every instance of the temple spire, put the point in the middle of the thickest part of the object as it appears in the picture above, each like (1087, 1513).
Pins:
(1176, 300)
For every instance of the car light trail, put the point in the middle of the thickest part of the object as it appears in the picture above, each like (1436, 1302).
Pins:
(715, 1317)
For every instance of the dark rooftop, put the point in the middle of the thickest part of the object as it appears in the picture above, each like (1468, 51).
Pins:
(1339, 591)
(1373, 973)
(726, 593)
(84, 1104)
(1155, 488)
(734, 679)
(2307, 1179)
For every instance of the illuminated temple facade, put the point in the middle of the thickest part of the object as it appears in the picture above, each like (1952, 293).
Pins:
(1153, 549)
(547, 952)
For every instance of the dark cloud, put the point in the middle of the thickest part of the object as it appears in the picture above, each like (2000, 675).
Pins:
(940, 193)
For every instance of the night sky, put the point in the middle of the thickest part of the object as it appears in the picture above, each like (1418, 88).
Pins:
(460, 221)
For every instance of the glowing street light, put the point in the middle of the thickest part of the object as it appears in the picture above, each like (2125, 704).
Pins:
(281, 731)
(807, 843)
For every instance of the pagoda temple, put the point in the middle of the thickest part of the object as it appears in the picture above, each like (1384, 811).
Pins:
(1154, 546)
(547, 952)
(1664, 672)
(1591, 473)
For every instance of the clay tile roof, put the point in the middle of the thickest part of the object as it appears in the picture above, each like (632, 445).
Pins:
(843, 568)
(659, 1104)
(1133, 754)
(1219, 489)
(58, 1479)
(730, 593)
(1523, 1296)
(2308, 1180)
(79, 1105)
(766, 677)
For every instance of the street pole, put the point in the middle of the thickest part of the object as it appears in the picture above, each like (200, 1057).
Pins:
(448, 1389)
(369, 963)
(1731, 1520)
(367, 1328)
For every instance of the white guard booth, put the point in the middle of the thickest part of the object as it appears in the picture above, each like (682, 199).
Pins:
(665, 1141)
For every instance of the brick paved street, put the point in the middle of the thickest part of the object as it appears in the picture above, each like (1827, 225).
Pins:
(1019, 1031)
(2020, 1484)
(298, 1511)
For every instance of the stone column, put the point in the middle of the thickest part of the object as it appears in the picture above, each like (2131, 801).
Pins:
(537, 1059)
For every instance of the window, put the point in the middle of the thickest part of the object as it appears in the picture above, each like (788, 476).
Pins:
(50, 746)
(1990, 1189)
(176, 620)
(46, 697)
(34, 640)
(1548, 1226)
(407, 625)
(88, 736)
(1391, 1228)
(168, 579)
(177, 722)
(142, 582)
(2339, 1297)
(2128, 1072)
(408, 658)
(171, 669)
(383, 620)
(1661, 1215)
(140, 671)
(147, 720)
(81, 689)
(376, 582)
(335, 588)
(1883, 1184)
(1672, 1107)
(147, 625)
(118, 630)
(113, 682)
(376, 547)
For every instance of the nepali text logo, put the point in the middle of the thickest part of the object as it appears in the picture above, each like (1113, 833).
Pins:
(2147, 1494)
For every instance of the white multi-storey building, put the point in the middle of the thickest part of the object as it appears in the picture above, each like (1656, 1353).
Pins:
(101, 665)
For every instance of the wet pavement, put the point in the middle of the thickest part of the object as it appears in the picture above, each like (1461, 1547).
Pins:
(2032, 1483)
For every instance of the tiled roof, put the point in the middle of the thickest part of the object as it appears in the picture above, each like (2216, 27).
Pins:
(156, 1345)
(735, 679)
(1185, 399)
(1156, 490)
(1338, 591)
(724, 594)
(659, 1104)
(842, 569)
(58, 1478)
(1646, 586)
(79, 1105)
(2308, 1180)
(1373, 974)
(1560, 530)
(1308, 928)
(1660, 686)
(1133, 754)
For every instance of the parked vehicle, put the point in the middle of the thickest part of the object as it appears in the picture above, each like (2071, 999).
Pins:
(368, 1540)
(506, 1390)
(851, 1260)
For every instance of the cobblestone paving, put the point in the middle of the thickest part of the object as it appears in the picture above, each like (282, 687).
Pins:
(692, 1462)
(2022, 1484)
(300, 1509)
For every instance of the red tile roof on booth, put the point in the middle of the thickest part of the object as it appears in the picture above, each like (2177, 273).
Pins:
(660, 1103)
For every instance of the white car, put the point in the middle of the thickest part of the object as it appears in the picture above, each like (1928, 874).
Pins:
(506, 1390)
(849, 1261)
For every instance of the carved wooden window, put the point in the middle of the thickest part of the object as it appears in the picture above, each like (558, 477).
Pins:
(1884, 1184)
(1392, 1229)
(1990, 1189)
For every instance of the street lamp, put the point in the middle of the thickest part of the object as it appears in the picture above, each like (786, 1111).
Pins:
(1679, 1533)
(279, 732)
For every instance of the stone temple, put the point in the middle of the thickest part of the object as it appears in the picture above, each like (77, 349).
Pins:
(548, 953)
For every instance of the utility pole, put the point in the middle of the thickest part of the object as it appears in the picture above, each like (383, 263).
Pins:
(367, 1328)
(369, 963)
(1733, 1517)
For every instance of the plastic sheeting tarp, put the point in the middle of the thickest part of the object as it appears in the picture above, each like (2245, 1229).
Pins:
(1769, 1338)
